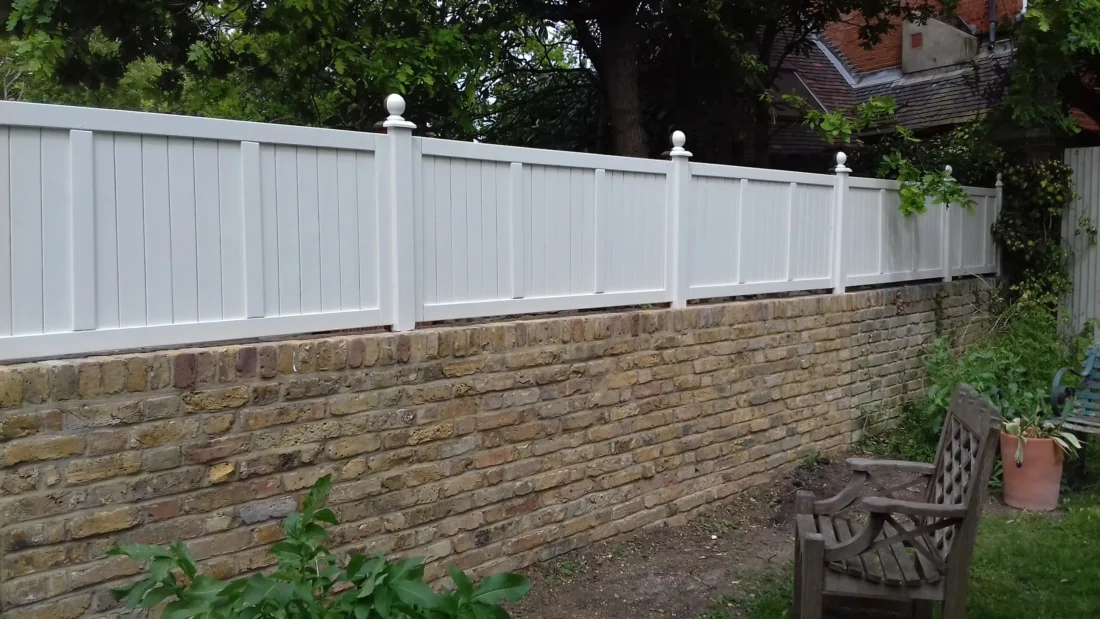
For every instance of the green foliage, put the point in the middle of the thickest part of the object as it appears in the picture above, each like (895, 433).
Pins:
(1033, 426)
(840, 125)
(1037, 195)
(919, 186)
(920, 182)
(309, 582)
(1012, 363)
(1057, 47)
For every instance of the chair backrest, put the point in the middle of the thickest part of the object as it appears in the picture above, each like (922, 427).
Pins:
(964, 462)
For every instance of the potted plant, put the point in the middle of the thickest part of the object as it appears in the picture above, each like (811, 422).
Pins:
(1032, 452)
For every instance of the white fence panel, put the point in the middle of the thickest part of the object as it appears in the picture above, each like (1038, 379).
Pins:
(972, 248)
(1083, 302)
(128, 230)
(758, 231)
(122, 230)
(507, 230)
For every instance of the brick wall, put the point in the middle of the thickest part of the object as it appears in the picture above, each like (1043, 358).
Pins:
(488, 446)
(843, 37)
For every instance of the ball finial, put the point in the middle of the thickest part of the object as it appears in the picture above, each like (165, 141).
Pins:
(678, 139)
(841, 158)
(999, 181)
(395, 105)
(947, 170)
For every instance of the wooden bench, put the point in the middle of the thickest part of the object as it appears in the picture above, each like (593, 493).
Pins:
(1085, 414)
(894, 549)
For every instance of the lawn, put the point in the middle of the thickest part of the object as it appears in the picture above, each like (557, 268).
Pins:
(1025, 566)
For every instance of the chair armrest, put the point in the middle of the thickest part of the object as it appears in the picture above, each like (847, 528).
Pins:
(1059, 393)
(883, 505)
(901, 466)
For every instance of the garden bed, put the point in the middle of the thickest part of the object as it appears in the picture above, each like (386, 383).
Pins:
(733, 561)
(726, 554)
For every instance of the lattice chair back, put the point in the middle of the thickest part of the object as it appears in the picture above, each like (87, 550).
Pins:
(968, 442)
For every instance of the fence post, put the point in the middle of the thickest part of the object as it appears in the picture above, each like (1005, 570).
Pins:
(840, 191)
(996, 214)
(679, 230)
(400, 230)
(947, 231)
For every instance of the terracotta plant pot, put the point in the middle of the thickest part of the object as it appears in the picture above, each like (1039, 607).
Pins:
(1035, 484)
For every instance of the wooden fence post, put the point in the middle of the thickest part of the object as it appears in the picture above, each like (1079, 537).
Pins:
(679, 179)
(1000, 187)
(399, 231)
(947, 232)
(840, 192)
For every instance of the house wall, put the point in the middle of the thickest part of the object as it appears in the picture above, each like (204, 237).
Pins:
(843, 36)
(487, 446)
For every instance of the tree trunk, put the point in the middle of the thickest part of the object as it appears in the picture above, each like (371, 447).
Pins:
(761, 137)
(619, 47)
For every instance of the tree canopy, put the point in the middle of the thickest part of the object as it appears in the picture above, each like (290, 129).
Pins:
(612, 76)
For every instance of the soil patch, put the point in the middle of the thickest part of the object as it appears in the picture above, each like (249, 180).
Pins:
(678, 572)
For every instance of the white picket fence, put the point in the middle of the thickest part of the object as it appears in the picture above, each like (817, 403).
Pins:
(123, 230)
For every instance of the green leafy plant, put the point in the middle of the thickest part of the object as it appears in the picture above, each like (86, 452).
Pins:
(919, 182)
(310, 583)
(1011, 362)
(1034, 426)
(841, 124)
(918, 186)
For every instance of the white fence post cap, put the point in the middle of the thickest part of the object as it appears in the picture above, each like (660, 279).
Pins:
(678, 141)
(841, 159)
(395, 105)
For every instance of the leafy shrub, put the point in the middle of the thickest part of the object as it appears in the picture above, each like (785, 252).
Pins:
(309, 582)
(1012, 365)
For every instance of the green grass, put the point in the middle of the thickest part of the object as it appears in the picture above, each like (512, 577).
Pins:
(768, 596)
(1025, 566)
(1037, 567)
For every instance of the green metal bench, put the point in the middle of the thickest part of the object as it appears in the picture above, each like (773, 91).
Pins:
(1085, 414)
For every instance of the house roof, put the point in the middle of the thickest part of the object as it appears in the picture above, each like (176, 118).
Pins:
(948, 96)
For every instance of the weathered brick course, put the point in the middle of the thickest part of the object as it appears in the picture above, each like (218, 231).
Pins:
(487, 446)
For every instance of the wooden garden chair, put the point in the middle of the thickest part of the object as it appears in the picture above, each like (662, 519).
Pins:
(909, 551)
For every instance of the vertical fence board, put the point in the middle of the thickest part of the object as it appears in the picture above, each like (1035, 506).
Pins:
(491, 243)
(369, 255)
(106, 233)
(181, 208)
(82, 209)
(286, 192)
(57, 285)
(130, 219)
(208, 230)
(158, 230)
(309, 230)
(232, 229)
(328, 213)
(348, 213)
(253, 222)
(5, 235)
(602, 232)
(271, 256)
(26, 230)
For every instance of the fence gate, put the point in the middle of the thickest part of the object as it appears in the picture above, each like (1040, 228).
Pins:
(1084, 301)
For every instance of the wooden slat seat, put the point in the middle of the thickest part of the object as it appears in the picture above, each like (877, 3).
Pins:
(890, 565)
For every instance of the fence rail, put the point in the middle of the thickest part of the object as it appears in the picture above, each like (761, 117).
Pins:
(122, 230)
